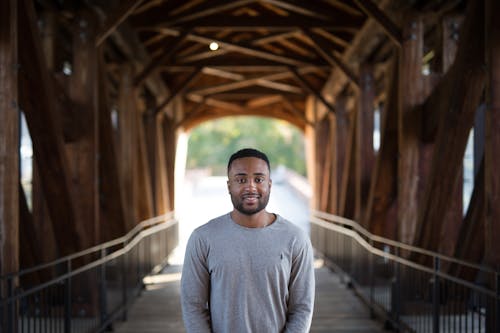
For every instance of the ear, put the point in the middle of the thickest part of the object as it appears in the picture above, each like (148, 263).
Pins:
(228, 189)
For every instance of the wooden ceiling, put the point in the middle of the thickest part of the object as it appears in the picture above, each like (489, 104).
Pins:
(271, 54)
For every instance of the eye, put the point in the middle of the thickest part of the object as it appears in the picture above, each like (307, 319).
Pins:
(241, 180)
(259, 180)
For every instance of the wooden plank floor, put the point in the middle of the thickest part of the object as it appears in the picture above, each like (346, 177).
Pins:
(158, 309)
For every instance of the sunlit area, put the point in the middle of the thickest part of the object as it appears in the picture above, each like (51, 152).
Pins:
(202, 194)
(26, 161)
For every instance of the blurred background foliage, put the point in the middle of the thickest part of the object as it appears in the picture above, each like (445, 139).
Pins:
(211, 143)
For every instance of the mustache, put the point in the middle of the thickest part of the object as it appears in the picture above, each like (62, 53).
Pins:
(250, 195)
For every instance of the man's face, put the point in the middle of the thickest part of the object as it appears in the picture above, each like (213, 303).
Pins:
(249, 185)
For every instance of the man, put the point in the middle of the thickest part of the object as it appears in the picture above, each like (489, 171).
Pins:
(248, 270)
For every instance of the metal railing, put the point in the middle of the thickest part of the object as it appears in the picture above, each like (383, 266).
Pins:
(89, 290)
(413, 289)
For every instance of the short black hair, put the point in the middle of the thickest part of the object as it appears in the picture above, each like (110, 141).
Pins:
(248, 152)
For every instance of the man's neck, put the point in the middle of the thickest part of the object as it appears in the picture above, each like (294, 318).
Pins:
(258, 220)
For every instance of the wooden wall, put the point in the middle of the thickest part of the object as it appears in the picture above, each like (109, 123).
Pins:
(411, 189)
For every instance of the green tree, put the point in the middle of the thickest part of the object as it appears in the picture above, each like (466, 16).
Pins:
(211, 143)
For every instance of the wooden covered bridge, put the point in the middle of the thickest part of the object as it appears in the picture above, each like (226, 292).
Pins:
(107, 87)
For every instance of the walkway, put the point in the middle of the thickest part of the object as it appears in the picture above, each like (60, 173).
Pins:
(158, 309)
(337, 309)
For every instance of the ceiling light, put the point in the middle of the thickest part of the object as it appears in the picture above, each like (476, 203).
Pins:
(213, 46)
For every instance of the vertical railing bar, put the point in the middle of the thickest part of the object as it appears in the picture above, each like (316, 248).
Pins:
(102, 290)
(396, 294)
(10, 305)
(67, 300)
(497, 303)
(435, 297)
(124, 283)
(372, 281)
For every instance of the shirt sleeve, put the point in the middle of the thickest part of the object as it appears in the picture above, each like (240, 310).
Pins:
(195, 287)
(301, 290)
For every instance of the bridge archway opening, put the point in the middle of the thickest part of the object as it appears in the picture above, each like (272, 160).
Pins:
(202, 154)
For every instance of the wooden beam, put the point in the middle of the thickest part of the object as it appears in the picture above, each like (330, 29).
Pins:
(127, 136)
(365, 154)
(112, 209)
(9, 140)
(410, 95)
(367, 35)
(207, 9)
(392, 30)
(222, 73)
(454, 126)
(142, 176)
(129, 44)
(266, 81)
(170, 48)
(472, 231)
(112, 22)
(492, 230)
(276, 37)
(381, 214)
(331, 37)
(37, 101)
(303, 9)
(178, 90)
(307, 86)
(248, 50)
(83, 152)
(331, 58)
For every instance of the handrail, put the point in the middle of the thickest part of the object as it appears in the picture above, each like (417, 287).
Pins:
(138, 237)
(412, 296)
(379, 239)
(89, 296)
(401, 260)
(121, 240)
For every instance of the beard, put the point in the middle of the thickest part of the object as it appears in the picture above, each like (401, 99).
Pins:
(239, 204)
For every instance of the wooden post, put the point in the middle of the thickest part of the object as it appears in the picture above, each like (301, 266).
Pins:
(323, 161)
(9, 140)
(310, 147)
(150, 136)
(36, 97)
(347, 191)
(492, 148)
(83, 152)
(127, 137)
(142, 178)
(342, 127)
(45, 243)
(161, 183)
(365, 156)
(453, 219)
(170, 140)
(333, 183)
(464, 84)
(410, 95)
(112, 210)
(381, 212)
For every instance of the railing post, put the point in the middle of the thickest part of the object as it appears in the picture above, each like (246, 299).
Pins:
(435, 297)
(495, 321)
(372, 280)
(67, 299)
(10, 305)
(396, 290)
(124, 282)
(102, 290)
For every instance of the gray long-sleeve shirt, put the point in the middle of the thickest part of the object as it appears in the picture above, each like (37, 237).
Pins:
(237, 279)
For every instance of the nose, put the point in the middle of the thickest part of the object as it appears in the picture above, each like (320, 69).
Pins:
(252, 183)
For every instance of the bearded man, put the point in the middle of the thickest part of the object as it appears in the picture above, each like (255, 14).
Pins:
(248, 270)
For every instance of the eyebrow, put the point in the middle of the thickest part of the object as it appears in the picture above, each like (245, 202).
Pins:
(245, 174)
